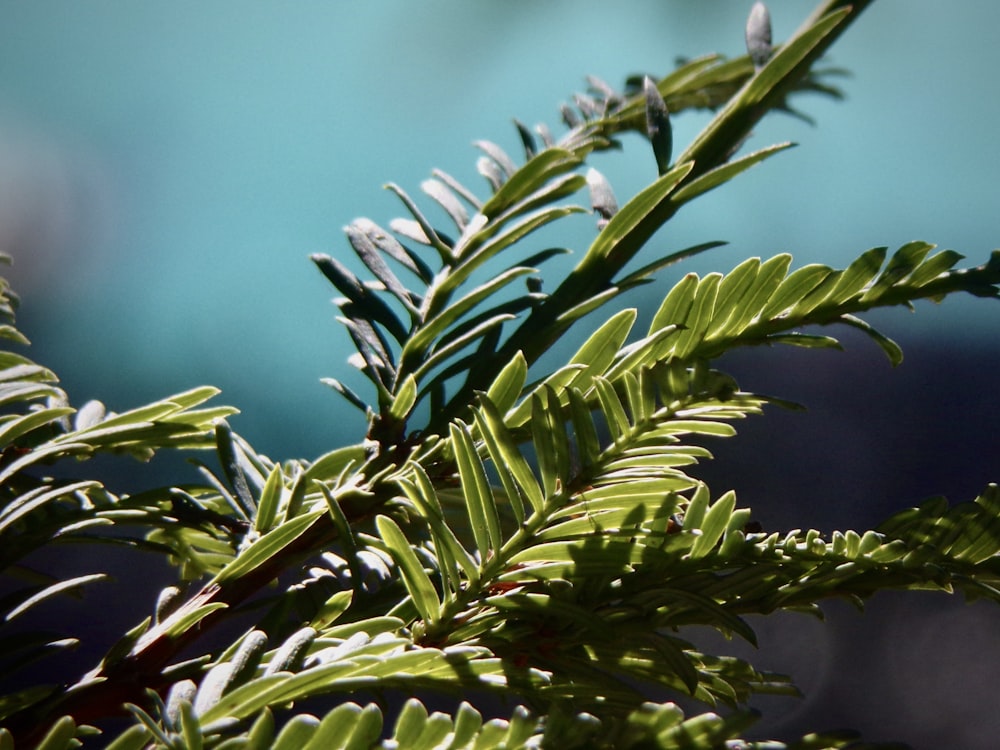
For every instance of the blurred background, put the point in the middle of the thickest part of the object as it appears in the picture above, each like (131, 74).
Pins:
(166, 169)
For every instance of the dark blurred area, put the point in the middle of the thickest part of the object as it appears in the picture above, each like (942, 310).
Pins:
(165, 170)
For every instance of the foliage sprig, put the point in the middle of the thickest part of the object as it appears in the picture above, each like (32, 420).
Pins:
(547, 542)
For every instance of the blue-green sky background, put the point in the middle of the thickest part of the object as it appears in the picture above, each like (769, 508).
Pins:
(166, 168)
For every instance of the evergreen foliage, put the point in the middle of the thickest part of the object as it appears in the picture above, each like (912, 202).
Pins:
(525, 538)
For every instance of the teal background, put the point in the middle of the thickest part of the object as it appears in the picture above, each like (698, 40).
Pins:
(167, 168)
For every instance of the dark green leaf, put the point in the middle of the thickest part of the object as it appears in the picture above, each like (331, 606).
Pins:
(447, 199)
(368, 305)
(369, 254)
(353, 398)
(433, 238)
(394, 249)
(658, 127)
(890, 347)
(527, 139)
(232, 460)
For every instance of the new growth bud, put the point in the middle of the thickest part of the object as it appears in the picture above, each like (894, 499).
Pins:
(758, 35)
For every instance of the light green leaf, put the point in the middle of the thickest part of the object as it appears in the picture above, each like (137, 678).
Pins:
(404, 399)
(694, 514)
(480, 505)
(587, 444)
(544, 441)
(858, 275)
(267, 546)
(417, 344)
(541, 168)
(53, 590)
(468, 722)
(768, 279)
(713, 525)
(512, 491)
(676, 305)
(570, 560)
(643, 274)
(732, 289)
(411, 722)
(335, 728)
(794, 288)
(902, 262)
(699, 318)
(599, 350)
(473, 259)
(190, 729)
(186, 619)
(367, 730)
(270, 496)
(816, 298)
(588, 305)
(807, 340)
(931, 268)
(626, 497)
(613, 410)
(330, 465)
(619, 231)
(416, 580)
(423, 495)
(345, 535)
(136, 737)
(36, 498)
(297, 732)
(507, 385)
(506, 455)
(559, 380)
(15, 428)
(448, 346)
(60, 736)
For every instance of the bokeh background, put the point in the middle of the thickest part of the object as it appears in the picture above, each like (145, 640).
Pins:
(166, 168)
